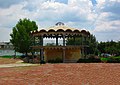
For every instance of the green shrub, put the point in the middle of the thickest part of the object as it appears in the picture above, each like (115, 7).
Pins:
(111, 59)
(104, 59)
(88, 60)
(114, 59)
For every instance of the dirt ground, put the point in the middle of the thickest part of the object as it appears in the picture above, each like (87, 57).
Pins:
(8, 60)
(62, 74)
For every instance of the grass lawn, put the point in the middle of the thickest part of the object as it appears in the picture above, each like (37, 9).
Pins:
(9, 56)
(112, 59)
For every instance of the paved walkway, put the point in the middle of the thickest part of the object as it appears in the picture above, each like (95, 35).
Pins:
(17, 64)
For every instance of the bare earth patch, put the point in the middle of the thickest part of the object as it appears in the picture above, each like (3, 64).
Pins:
(62, 74)
(8, 60)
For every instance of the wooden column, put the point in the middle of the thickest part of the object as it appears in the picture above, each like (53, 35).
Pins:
(33, 53)
(41, 40)
(41, 50)
(74, 40)
(63, 40)
(41, 55)
(34, 41)
(57, 41)
(85, 45)
(80, 52)
(82, 46)
(63, 55)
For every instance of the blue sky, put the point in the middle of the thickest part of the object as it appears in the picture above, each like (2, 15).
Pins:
(94, 2)
(62, 1)
(100, 17)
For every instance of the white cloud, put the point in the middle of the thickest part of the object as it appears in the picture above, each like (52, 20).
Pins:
(108, 17)
(105, 26)
(9, 16)
(107, 23)
(77, 13)
(4, 34)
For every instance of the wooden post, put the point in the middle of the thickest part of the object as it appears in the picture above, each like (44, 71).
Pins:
(33, 53)
(74, 40)
(15, 54)
(63, 40)
(80, 52)
(41, 56)
(34, 41)
(57, 41)
(63, 55)
(82, 47)
(41, 40)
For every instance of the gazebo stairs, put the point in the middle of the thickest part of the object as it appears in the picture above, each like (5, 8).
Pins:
(70, 61)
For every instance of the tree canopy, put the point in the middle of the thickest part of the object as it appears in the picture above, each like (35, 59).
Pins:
(94, 47)
(20, 36)
(90, 43)
(110, 47)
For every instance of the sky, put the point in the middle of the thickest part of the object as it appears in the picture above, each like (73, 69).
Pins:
(100, 17)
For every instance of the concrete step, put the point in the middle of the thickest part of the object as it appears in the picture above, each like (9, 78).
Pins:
(70, 61)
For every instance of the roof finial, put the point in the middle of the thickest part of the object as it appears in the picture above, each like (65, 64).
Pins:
(59, 24)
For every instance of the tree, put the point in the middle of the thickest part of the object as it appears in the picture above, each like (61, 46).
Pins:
(20, 36)
(110, 47)
(90, 43)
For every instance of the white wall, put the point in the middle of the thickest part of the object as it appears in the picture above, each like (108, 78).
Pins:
(8, 52)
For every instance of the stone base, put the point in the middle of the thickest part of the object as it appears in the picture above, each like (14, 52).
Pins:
(71, 55)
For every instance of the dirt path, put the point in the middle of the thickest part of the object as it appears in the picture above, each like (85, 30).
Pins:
(62, 74)
(16, 63)
(8, 60)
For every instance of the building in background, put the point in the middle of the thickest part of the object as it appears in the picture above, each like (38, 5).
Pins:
(7, 49)
(6, 46)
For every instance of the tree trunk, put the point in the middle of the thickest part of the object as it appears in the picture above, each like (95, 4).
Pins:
(26, 54)
(15, 55)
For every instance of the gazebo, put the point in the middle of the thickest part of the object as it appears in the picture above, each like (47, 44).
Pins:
(65, 52)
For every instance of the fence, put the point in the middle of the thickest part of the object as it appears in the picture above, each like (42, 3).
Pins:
(8, 53)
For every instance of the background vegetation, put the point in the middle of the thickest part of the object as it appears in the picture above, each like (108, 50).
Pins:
(22, 40)
(20, 36)
(110, 47)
